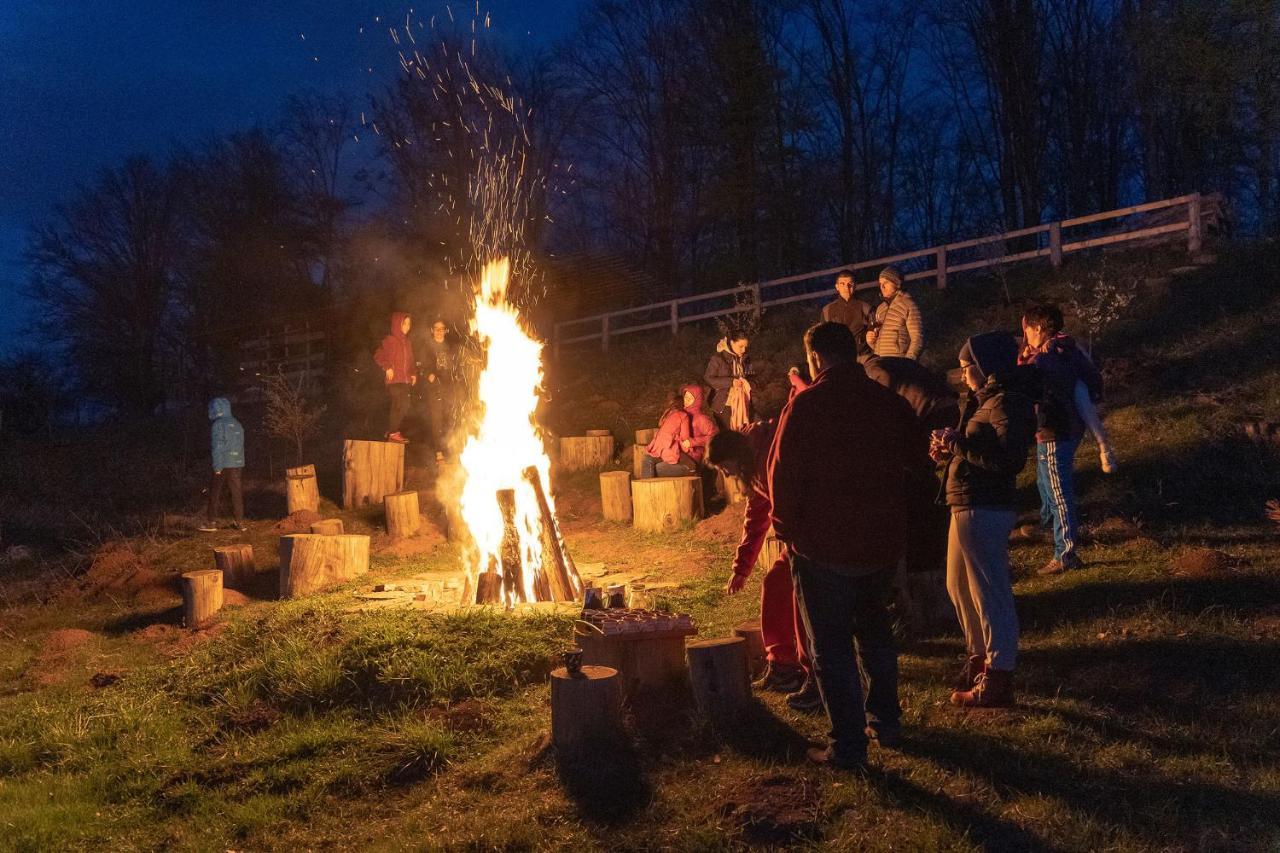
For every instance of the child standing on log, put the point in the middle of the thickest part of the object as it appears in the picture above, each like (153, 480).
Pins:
(227, 447)
(395, 357)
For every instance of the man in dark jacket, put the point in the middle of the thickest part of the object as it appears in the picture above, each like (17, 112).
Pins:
(847, 308)
(442, 376)
(984, 455)
(837, 481)
(395, 357)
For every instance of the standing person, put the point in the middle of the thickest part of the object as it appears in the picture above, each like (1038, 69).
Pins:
(846, 308)
(897, 328)
(1059, 427)
(227, 451)
(746, 455)
(984, 455)
(395, 357)
(842, 514)
(728, 373)
(684, 429)
(442, 377)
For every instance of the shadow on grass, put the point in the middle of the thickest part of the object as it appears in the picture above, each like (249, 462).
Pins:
(136, 621)
(605, 780)
(756, 732)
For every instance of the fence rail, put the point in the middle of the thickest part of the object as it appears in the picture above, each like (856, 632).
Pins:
(937, 263)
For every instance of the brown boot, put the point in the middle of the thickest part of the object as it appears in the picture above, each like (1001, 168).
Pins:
(974, 665)
(991, 689)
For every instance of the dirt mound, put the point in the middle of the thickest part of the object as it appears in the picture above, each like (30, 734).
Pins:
(469, 715)
(1202, 562)
(426, 540)
(1115, 529)
(725, 526)
(297, 522)
(234, 598)
(175, 641)
(774, 810)
(65, 639)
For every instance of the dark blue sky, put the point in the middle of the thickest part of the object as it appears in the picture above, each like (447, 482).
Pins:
(85, 84)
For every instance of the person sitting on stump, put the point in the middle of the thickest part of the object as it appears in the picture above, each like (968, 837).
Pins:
(395, 357)
(681, 441)
(227, 451)
(837, 480)
(745, 455)
(983, 456)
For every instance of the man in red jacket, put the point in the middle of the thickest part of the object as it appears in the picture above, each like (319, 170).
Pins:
(395, 357)
(838, 482)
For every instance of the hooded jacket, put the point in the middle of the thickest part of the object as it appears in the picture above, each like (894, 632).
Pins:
(928, 394)
(1061, 365)
(997, 427)
(227, 436)
(396, 353)
(839, 467)
(722, 369)
(690, 423)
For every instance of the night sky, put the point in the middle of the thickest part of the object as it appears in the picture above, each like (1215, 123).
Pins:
(83, 85)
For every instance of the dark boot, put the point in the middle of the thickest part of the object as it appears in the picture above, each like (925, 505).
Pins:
(992, 689)
(780, 677)
(974, 665)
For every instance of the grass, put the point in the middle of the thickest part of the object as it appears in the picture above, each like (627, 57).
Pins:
(1147, 716)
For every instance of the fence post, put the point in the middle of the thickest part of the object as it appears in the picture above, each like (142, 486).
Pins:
(755, 301)
(675, 317)
(1194, 236)
(604, 333)
(1055, 244)
(940, 265)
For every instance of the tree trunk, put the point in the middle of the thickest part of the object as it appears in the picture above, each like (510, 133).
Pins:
(236, 564)
(401, 510)
(666, 504)
(580, 452)
(328, 527)
(756, 655)
(720, 677)
(300, 489)
(371, 470)
(615, 495)
(586, 710)
(201, 596)
(309, 562)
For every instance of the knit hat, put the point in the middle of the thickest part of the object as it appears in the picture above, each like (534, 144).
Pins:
(892, 274)
(995, 353)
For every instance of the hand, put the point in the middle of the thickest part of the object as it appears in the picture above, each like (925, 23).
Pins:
(871, 337)
(413, 380)
(686, 445)
(391, 374)
(431, 377)
(939, 453)
(735, 584)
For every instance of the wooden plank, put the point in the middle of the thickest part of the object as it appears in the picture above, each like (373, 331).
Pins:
(990, 262)
(1111, 239)
(1125, 211)
(995, 238)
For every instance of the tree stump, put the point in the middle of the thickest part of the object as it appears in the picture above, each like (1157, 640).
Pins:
(236, 564)
(719, 675)
(615, 495)
(666, 504)
(582, 452)
(201, 596)
(300, 489)
(735, 491)
(770, 553)
(645, 663)
(328, 527)
(756, 654)
(637, 460)
(309, 562)
(371, 470)
(402, 514)
(586, 709)
(599, 433)
(644, 436)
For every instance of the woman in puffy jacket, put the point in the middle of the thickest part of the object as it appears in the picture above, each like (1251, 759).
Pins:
(683, 432)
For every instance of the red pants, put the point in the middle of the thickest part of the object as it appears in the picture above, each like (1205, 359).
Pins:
(780, 625)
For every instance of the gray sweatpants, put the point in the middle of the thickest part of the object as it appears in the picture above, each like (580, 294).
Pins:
(979, 584)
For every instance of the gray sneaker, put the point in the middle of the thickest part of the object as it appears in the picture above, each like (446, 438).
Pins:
(808, 698)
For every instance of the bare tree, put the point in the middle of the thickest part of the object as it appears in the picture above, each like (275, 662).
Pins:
(290, 413)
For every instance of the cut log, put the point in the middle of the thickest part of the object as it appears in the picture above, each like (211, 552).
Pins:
(401, 509)
(509, 548)
(637, 460)
(201, 596)
(770, 553)
(582, 452)
(645, 663)
(236, 564)
(371, 470)
(666, 504)
(615, 495)
(735, 491)
(309, 562)
(563, 583)
(489, 588)
(301, 490)
(597, 433)
(644, 436)
(586, 710)
(719, 676)
(756, 655)
(328, 527)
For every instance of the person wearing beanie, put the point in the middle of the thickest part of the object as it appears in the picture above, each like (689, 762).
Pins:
(395, 357)
(896, 328)
(983, 456)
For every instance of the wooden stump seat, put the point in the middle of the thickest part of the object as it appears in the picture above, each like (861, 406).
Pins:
(666, 504)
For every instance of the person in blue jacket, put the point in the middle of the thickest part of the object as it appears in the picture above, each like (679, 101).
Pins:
(228, 461)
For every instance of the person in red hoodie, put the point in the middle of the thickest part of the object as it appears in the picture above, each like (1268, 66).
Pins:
(395, 357)
(838, 482)
(683, 432)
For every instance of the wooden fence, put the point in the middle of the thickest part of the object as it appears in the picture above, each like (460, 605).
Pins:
(1187, 213)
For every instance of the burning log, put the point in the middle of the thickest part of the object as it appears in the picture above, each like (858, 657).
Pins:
(236, 564)
(201, 596)
(557, 566)
(401, 510)
(300, 489)
(615, 495)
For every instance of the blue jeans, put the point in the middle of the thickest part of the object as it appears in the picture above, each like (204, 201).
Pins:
(849, 629)
(652, 466)
(1055, 464)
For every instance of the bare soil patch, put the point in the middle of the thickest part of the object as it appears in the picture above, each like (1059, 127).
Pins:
(296, 522)
(773, 810)
(1202, 562)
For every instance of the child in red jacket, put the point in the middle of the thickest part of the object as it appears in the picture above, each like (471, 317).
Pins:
(683, 432)
(395, 357)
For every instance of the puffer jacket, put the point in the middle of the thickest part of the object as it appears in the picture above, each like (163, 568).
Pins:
(996, 431)
(227, 436)
(899, 327)
(692, 423)
(396, 353)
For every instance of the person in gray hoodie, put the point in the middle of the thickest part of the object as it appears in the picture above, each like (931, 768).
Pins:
(227, 445)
